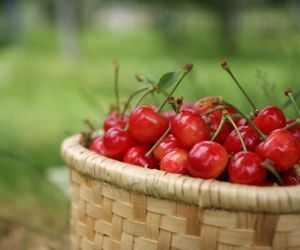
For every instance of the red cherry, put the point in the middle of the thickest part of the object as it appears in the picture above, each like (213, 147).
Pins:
(186, 106)
(251, 138)
(97, 146)
(290, 177)
(136, 156)
(189, 128)
(207, 160)
(295, 130)
(147, 126)
(214, 120)
(169, 115)
(113, 120)
(241, 122)
(207, 101)
(246, 168)
(168, 144)
(175, 161)
(116, 142)
(269, 119)
(281, 148)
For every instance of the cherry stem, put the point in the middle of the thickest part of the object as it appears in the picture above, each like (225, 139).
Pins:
(148, 154)
(141, 98)
(228, 117)
(116, 66)
(213, 110)
(223, 120)
(130, 99)
(226, 67)
(262, 135)
(297, 170)
(294, 123)
(289, 93)
(141, 78)
(267, 164)
(90, 125)
(186, 69)
(176, 106)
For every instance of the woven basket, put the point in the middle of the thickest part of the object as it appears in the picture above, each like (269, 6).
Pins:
(120, 206)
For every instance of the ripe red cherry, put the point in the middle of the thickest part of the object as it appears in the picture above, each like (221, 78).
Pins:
(116, 142)
(290, 177)
(207, 101)
(169, 143)
(186, 106)
(281, 148)
(189, 128)
(97, 146)
(147, 126)
(175, 161)
(169, 115)
(251, 138)
(246, 168)
(207, 160)
(214, 120)
(136, 156)
(269, 119)
(113, 120)
(295, 130)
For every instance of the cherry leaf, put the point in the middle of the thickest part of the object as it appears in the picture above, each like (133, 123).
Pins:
(168, 80)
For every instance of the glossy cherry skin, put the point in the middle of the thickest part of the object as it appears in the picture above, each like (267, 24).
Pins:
(295, 130)
(136, 156)
(146, 126)
(116, 142)
(169, 143)
(186, 106)
(189, 128)
(175, 161)
(113, 120)
(214, 120)
(207, 160)
(251, 138)
(290, 177)
(207, 101)
(269, 119)
(281, 148)
(246, 168)
(97, 146)
(169, 115)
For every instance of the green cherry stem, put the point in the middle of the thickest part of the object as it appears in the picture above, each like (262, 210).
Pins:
(141, 98)
(223, 120)
(262, 135)
(142, 89)
(267, 164)
(226, 67)
(148, 154)
(294, 123)
(90, 125)
(288, 92)
(141, 78)
(186, 69)
(116, 66)
(178, 105)
(228, 117)
(213, 110)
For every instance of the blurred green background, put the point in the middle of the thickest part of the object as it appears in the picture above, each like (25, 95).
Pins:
(56, 70)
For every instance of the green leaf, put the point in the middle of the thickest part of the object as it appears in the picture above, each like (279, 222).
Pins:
(168, 80)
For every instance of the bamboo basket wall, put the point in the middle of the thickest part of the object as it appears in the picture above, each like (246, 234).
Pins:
(120, 206)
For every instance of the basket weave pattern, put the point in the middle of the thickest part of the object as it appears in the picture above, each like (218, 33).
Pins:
(117, 209)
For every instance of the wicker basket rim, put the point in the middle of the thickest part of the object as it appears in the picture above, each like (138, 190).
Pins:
(157, 183)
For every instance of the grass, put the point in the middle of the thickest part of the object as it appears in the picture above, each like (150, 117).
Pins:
(44, 98)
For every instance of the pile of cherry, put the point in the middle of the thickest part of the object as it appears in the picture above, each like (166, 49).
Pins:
(210, 139)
